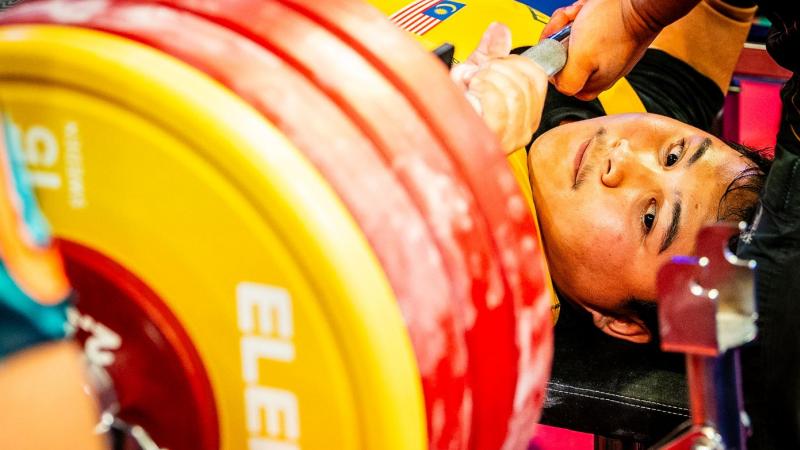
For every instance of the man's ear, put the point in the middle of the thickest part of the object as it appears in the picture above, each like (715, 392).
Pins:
(628, 327)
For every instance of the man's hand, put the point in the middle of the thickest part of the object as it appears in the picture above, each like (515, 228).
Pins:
(508, 91)
(607, 38)
(562, 17)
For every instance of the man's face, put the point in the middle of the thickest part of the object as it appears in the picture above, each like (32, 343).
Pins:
(617, 196)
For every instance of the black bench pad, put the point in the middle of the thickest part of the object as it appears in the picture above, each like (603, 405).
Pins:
(613, 388)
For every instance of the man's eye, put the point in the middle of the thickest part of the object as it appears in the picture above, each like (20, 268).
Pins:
(674, 153)
(649, 217)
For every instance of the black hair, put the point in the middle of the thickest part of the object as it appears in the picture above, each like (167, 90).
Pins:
(739, 202)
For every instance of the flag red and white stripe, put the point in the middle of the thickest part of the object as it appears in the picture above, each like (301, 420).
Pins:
(411, 18)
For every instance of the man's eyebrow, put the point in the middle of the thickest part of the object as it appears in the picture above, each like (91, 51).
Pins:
(674, 227)
(701, 150)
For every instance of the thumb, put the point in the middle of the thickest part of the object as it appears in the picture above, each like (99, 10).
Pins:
(570, 82)
(575, 74)
(495, 43)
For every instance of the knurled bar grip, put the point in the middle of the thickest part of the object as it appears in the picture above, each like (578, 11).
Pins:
(551, 53)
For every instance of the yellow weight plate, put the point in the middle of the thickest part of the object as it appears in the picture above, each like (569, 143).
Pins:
(164, 171)
(466, 25)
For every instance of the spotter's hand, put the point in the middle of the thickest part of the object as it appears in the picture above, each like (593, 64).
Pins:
(508, 91)
(607, 38)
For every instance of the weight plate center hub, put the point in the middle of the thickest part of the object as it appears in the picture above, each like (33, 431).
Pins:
(158, 380)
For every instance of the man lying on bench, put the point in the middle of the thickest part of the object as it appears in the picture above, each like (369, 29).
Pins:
(617, 196)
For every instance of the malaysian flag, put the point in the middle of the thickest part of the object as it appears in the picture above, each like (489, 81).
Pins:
(419, 17)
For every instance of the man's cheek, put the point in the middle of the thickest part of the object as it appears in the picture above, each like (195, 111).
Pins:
(606, 245)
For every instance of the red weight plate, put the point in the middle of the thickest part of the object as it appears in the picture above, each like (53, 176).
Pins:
(493, 357)
(417, 157)
(350, 162)
(420, 76)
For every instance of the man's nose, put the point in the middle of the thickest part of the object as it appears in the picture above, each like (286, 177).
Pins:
(620, 164)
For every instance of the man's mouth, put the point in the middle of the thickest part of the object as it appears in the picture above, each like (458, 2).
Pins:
(581, 157)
